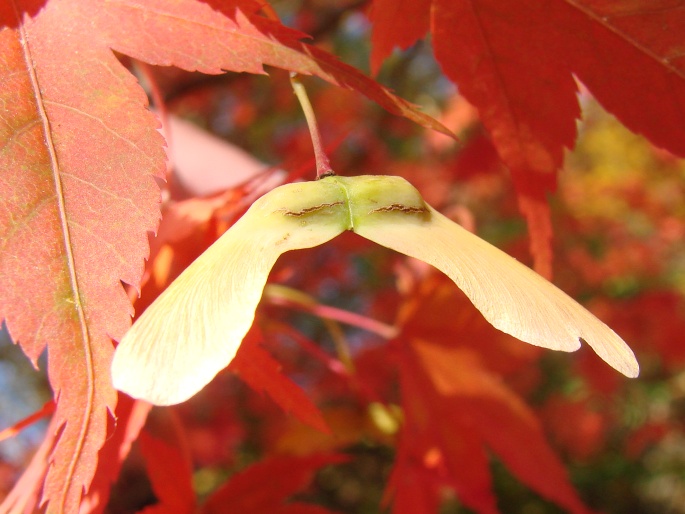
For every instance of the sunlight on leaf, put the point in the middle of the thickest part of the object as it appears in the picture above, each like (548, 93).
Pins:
(193, 330)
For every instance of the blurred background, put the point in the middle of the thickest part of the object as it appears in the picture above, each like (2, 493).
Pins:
(619, 222)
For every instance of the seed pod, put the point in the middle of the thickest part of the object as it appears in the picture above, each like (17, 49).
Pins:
(193, 329)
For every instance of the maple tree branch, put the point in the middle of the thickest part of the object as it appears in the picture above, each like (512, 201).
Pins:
(323, 165)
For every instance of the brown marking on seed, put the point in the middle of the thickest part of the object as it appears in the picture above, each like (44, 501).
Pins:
(308, 210)
(399, 207)
(283, 239)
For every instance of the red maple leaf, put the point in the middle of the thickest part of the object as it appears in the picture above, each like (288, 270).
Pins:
(246, 493)
(254, 365)
(455, 409)
(516, 62)
(164, 447)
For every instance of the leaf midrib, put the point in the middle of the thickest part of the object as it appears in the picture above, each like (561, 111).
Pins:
(68, 252)
(605, 21)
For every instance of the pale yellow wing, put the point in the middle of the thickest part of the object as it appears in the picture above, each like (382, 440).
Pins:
(511, 296)
(193, 329)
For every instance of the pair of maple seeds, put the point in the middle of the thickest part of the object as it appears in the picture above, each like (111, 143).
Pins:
(194, 328)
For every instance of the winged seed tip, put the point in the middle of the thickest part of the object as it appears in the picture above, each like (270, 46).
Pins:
(630, 368)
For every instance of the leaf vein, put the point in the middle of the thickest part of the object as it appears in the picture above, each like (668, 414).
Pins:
(17, 132)
(106, 192)
(605, 21)
(101, 122)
